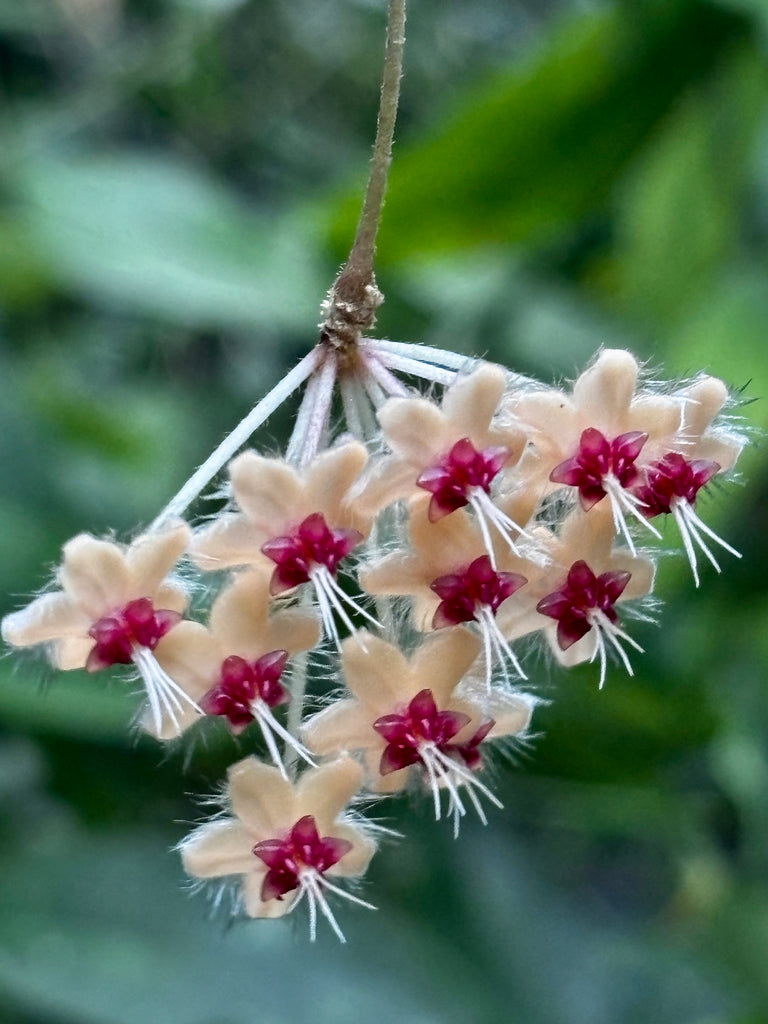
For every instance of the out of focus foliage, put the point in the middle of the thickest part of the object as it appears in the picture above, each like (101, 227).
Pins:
(178, 182)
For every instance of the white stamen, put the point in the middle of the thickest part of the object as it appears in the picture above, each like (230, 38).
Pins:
(444, 772)
(332, 596)
(164, 694)
(623, 501)
(607, 630)
(487, 512)
(691, 526)
(311, 884)
(492, 635)
(269, 725)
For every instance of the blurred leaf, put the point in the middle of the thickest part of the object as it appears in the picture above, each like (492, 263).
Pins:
(534, 150)
(680, 208)
(141, 233)
(75, 704)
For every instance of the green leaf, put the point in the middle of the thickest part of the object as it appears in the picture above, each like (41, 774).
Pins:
(148, 235)
(534, 150)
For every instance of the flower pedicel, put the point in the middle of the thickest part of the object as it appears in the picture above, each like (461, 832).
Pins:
(502, 511)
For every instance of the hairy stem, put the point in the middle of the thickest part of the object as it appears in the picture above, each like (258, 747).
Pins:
(357, 274)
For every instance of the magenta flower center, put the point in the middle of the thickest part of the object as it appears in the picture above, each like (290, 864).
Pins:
(464, 594)
(581, 599)
(673, 478)
(300, 851)
(599, 460)
(462, 470)
(120, 633)
(241, 683)
(420, 724)
(311, 545)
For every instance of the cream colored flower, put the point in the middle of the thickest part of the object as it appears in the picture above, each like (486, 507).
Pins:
(596, 439)
(233, 667)
(587, 578)
(460, 453)
(282, 837)
(301, 524)
(409, 713)
(452, 580)
(115, 607)
(672, 483)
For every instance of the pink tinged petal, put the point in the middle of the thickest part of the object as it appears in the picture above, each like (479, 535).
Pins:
(268, 491)
(471, 402)
(260, 797)
(229, 541)
(241, 610)
(190, 656)
(94, 574)
(442, 661)
(356, 860)
(606, 389)
(71, 652)
(703, 401)
(217, 849)
(152, 556)
(326, 791)
(414, 428)
(331, 475)
(48, 617)
(376, 672)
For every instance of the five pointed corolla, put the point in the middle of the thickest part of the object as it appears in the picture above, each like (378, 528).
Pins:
(452, 579)
(584, 583)
(418, 712)
(281, 839)
(300, 523)
(234, 667)
(116, 606)
(612, 438)
(458, 455)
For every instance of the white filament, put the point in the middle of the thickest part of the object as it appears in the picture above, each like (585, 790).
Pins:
(691, 528)
(164, 694)
(443, 772)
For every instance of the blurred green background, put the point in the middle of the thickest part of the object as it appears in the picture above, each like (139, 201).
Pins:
(178, 182)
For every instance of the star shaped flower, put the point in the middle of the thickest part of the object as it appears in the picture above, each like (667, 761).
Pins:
(597, 438)
(586, 580)
(282, 838)
(452, 580)
(460, 453)
(233, 667)
(408, 715)
(698, 452)
(115, 606)
(299, 523)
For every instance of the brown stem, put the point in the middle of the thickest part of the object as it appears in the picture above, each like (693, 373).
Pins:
(351, 305)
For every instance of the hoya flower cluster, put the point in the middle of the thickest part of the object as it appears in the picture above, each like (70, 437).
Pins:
(376, 594)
